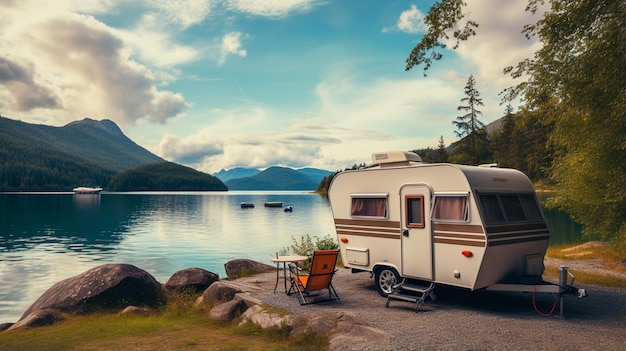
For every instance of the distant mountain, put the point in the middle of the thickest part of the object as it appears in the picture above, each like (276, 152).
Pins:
(38, 157)
(237, 172)
(495, 126)
(247, 178)
(315, 174)
(274, 178)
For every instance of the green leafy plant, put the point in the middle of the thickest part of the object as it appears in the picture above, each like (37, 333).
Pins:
(305, 246)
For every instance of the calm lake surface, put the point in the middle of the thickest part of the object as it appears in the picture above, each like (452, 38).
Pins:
(45, 238)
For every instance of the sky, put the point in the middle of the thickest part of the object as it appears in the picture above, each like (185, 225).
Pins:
(218, 84)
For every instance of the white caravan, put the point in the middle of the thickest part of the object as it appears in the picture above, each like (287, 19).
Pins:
(467, 226)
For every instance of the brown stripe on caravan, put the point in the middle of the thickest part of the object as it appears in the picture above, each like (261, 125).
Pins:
(515, 227)
(369, 228)
(459, 242)
(517, 233)
(458, 234)
(368, 223)
(518, 240)
(467, 228)
(369, 234)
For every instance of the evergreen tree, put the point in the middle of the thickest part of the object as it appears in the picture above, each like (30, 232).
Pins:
(534, 147)
(506, 144)
(441, 154)
(470, 127)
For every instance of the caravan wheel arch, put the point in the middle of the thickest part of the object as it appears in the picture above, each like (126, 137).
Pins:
(385, 277)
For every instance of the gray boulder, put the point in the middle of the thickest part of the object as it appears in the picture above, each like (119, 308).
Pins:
(345, 329)
(138, 311)
(228, 311)
(218, 293)
(193, 279)
(265, 318)
(38, 318)
(244, 268)
(108, 287)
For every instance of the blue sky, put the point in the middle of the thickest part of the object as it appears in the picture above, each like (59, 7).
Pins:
(252, 83)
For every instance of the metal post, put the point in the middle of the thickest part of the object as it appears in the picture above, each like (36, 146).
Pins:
(562, 287)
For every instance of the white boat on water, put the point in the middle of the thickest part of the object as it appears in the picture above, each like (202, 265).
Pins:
(87, 190)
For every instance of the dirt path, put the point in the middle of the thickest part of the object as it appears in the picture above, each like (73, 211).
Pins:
(464, 320)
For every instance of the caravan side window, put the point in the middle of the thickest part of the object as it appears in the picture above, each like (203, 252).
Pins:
(504, 208)
(415, 211)
(450, 208)
(368, 205)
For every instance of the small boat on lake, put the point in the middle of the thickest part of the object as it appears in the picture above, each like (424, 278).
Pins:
(87, 190)
(247, 205)
(273, 204)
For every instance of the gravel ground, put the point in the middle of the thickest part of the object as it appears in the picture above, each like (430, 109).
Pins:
(462, 320)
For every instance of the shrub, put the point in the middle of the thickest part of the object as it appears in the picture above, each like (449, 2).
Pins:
(305, 246)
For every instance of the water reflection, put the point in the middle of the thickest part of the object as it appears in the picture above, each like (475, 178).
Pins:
(47, 238)
(563, 230)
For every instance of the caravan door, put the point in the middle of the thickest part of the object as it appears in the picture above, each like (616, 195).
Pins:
(417, 237)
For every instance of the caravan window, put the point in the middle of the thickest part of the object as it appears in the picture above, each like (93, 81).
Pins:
(369, 206)
(450, 208)
(415, 211)
(503, 208)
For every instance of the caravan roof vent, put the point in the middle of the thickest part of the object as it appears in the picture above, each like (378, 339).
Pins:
(394, 158)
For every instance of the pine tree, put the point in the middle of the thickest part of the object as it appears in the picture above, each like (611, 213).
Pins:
(506, 148)
(469, 127)
(441, 154)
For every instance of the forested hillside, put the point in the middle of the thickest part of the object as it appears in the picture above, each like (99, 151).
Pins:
(164, 176)
(44, 158)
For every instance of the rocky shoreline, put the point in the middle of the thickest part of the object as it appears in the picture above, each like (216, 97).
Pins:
(457, 320)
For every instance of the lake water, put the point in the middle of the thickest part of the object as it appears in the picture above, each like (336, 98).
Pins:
(45, 238)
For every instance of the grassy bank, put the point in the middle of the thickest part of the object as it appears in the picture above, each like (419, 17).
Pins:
(178, 326)
(591, 263)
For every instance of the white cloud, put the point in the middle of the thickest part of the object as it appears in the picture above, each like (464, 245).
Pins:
(192, 149)
(499, 42)
(22, 91)
(231, 45)
(411, 21)
(184, 13)
(68, 66)
(156, 46)
(248, 137)
(381, 113)
(271, 8)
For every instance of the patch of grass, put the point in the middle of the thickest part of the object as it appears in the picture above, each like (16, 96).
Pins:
(592, 250)
(275, 310)
(177, 326)
(609, 257)
(552, 273)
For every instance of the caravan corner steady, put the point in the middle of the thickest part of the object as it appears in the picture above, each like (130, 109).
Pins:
(474, 227)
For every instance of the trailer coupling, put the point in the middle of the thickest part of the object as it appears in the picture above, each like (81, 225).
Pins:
(564, 287)
(569, 288)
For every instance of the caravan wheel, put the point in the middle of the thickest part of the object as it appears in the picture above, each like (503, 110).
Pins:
(386, 278)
